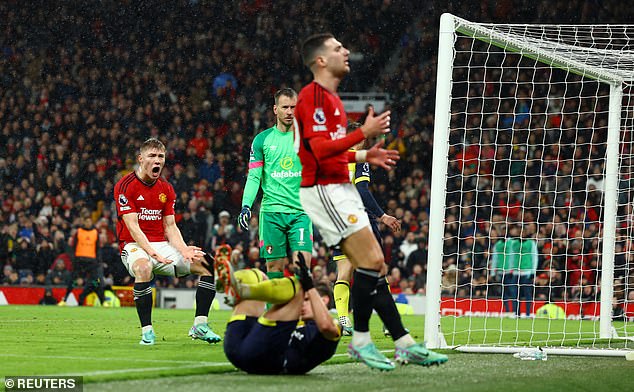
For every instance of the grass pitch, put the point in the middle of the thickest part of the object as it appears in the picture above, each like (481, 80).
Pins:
(101, 344)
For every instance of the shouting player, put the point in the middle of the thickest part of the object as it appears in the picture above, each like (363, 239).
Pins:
(151, 243)
(275, 166)
(334, 204)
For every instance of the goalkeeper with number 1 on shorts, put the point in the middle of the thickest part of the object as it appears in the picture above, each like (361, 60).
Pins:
(275, 167)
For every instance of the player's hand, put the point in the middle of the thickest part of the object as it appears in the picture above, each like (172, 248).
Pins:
(192, 252)
(391, 222)
(304, 274)
(161, 259)
(376, 125)
(244, 217)
(381, 157)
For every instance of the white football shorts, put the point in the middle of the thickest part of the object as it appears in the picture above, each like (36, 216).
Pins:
(335, 209)
(179, 267)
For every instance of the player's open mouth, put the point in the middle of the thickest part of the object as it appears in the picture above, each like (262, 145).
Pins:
(156, 169)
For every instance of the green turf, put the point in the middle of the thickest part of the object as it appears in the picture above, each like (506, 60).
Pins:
(101, 344)
(532, 332)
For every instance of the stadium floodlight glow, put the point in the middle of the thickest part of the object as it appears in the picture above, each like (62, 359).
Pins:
(533, 141)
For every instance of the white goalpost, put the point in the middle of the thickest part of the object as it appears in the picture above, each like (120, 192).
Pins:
(531, 232)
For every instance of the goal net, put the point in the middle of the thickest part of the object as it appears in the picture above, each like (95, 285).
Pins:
(532, 204)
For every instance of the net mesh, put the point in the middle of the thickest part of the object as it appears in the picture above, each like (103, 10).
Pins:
(526, 181)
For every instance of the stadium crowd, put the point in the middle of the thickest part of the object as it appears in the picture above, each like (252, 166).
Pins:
(81, 88)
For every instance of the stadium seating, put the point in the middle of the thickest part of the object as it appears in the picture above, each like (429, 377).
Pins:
(82, 87)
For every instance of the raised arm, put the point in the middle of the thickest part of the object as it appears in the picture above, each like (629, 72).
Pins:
(325, 323)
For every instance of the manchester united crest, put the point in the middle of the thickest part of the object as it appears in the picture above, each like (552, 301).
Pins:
(269, 249)
(163, 197)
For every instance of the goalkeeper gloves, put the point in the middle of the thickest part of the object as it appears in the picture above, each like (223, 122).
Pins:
(244, 217)
(303, 273)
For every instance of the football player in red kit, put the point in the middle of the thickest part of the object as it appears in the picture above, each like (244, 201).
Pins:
(150, 242)
(333, 203)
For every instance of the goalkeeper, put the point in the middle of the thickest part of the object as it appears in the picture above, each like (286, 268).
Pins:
(276, 168)
(294, 336)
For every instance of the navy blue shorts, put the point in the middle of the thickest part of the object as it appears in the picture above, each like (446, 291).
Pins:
(257, 348)
(307, 349)
(277, 348)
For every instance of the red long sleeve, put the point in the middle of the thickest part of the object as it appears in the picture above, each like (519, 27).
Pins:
(324, 148)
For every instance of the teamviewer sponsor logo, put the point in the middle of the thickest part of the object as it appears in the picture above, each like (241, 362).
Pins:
(150, 215)
(286, 174)
(43, 383)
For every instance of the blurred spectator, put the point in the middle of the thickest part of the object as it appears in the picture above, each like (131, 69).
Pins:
(209, 169)
(409, 245)
(417, 257)
(449, 281)
(9, 276)
(223, 230)
(48, 298)
(527, 267)
(26, 258)
(58, 275)
(8, 242)
(73, 114)
(419, 277)
(225, 85)
(504, 267)
(394, 279)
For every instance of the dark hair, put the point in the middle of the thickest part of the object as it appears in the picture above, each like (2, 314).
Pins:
(286, 91)
(354, 125)
(324, 291)
(311, 45)
(152, 143)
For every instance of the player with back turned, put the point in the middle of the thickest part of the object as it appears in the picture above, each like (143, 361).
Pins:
(334, 204)
(150, 242)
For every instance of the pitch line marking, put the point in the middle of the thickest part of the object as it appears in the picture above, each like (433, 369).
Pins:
(189, 364)
(102, 358)
(142, 370)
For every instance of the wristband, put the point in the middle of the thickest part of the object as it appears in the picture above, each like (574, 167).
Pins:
(361, 155)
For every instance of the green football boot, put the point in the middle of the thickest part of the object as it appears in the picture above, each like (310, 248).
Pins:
(418, 355)
(203, 332)
(371, 356)
(148, 338)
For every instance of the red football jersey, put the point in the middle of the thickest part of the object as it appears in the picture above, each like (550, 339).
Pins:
(150, 202)
(320, 114)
